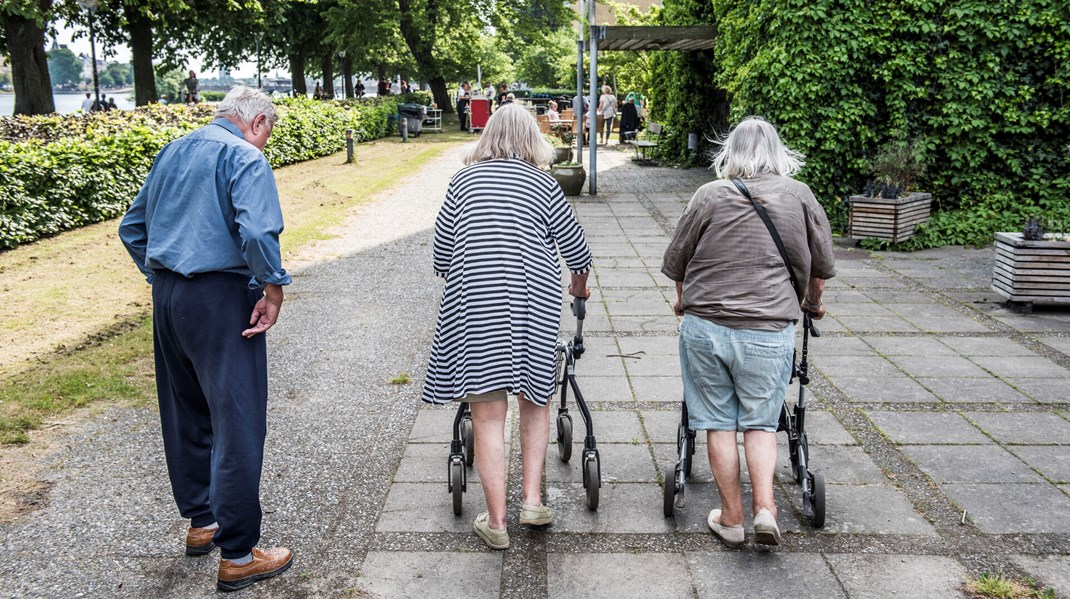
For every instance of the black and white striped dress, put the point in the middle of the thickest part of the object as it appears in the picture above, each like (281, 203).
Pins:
(495, 240)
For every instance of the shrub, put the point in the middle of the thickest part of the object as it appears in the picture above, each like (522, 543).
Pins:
(62, 172)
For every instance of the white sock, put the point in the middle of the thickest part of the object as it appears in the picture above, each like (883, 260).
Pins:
(241, 561)
(212, 526)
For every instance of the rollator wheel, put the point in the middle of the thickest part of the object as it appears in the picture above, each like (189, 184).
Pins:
(592, 482)
(669, 501)
(817, 500)
(469, 440)
(457, 485)
(564, 437)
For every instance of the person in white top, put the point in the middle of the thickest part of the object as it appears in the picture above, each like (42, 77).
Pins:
(607, 111)
(551, 111)
(87, 103)
(395, 87)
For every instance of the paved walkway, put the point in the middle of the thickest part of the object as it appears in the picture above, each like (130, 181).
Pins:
(931, 400)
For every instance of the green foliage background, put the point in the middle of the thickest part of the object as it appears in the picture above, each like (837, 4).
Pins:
(979, 87)
(61, 172)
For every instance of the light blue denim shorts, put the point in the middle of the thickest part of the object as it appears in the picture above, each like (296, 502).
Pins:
(734, 379)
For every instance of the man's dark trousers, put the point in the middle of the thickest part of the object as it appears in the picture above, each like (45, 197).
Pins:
(212, 387)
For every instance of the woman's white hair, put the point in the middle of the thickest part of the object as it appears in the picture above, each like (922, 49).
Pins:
(245, 104)
(753, 148)
(512, 132)
(607, 90)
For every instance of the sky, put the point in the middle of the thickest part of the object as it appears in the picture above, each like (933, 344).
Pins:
(65, 33)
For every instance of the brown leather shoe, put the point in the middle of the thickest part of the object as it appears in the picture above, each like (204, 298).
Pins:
(266, 563)
(199, 541)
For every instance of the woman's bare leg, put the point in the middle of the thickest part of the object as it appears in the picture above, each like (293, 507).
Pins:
(724, 460)
(488, 426)
(534, 437)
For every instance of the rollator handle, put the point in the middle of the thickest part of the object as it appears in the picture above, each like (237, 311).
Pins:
(579, 307)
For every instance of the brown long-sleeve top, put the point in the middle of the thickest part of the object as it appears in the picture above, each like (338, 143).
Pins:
(731, 271)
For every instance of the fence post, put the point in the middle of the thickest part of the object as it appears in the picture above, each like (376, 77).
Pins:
(404, 129)
(349, 146)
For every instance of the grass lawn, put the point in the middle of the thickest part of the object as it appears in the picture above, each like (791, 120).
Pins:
(75, 326)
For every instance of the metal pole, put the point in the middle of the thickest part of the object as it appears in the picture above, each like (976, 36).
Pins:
(592, 181)
(349, 145)
(93, 55)
(577, 106)
(258, 85)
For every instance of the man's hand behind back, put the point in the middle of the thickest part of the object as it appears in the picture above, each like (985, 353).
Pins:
(265, 312)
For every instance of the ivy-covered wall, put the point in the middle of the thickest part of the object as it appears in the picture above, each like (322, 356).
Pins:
(980, 87)
(61, 172)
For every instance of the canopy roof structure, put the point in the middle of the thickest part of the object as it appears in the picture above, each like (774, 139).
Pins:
(689, 38)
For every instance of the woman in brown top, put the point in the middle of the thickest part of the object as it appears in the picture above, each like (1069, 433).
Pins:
(734, 292)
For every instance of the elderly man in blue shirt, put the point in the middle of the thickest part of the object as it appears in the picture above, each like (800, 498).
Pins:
(205, 232)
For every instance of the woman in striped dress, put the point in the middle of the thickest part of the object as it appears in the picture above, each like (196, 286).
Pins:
(495, 240)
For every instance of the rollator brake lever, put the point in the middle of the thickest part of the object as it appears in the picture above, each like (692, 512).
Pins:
(808, 322)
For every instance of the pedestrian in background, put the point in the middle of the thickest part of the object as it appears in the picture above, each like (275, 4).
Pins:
(191, 84)
(740, 305)
(497, 239)
(87, 103)
(463, 98)
(204, 229)
(607, 111)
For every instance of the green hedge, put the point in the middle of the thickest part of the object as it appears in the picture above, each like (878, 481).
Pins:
(979, 87)
(62, 172)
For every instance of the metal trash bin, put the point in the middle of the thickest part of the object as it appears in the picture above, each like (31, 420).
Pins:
(414, 114)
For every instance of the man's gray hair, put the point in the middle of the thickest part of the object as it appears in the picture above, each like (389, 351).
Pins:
(244, 104)
(753, 148)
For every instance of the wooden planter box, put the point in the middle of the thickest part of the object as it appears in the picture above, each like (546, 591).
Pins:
(1032, 272)
(892, 220)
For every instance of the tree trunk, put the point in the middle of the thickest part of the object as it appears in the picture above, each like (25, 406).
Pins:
(29, 64)
(139, 27)
(347, 76)
(297, 72)
(328, 75)
(441, 96)
(382, 71)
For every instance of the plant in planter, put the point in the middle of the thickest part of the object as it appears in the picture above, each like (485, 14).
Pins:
(562, 151)
(889, 209)
(1033, 267)
(570, 176)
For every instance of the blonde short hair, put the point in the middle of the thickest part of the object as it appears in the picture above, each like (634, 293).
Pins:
(607, 90)
(512, 133)
(753, 148)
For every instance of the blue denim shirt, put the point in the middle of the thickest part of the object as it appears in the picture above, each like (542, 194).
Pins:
(209, 204)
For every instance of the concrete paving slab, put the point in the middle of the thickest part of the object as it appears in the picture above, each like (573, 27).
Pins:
(621, 462)
(909, 346)
(1053, 461)
(877, 324)
(658, 307)
(615, 575)
(1043, 390)
(900, 389)
(1061, 344)
(646, 324)
(665, 345)
(852, 509)
(1022, 427)
(986, 346)
(426, 507)
(899, 296)
(1022, 367)
(666, 456)
(842, 465)
(600, 388)
(899, 576)
(947, 366)
(1036, 323)
(973, 390)
(426, 463)
(701, 497)
(624, 277)
(654, 365)
(610, 426)
(927, 428)
(601, 363)
(624, 508)
(845, 366)
(1052, 571)
(839, 346)
(1013, 508)
(970, 464)
(432, 574)
(736, 574)
(669, 389)
(433, 424)
(859, 309)
(822, 428)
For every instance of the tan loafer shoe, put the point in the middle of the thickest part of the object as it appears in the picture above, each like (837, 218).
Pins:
(199, 541)
(535, 515)
(766, 531)
(495, 539)
(265, 564)
(733, 536)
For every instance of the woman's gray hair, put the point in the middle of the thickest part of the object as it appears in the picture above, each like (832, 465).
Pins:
(512, 133)
(753, 148)
(245, 104)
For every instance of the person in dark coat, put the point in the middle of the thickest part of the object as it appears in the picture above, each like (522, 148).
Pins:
(629, 120)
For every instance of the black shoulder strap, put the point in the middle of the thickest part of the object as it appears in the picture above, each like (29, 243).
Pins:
(772, 231)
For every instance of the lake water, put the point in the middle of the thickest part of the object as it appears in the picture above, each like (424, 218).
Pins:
(65, 103)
